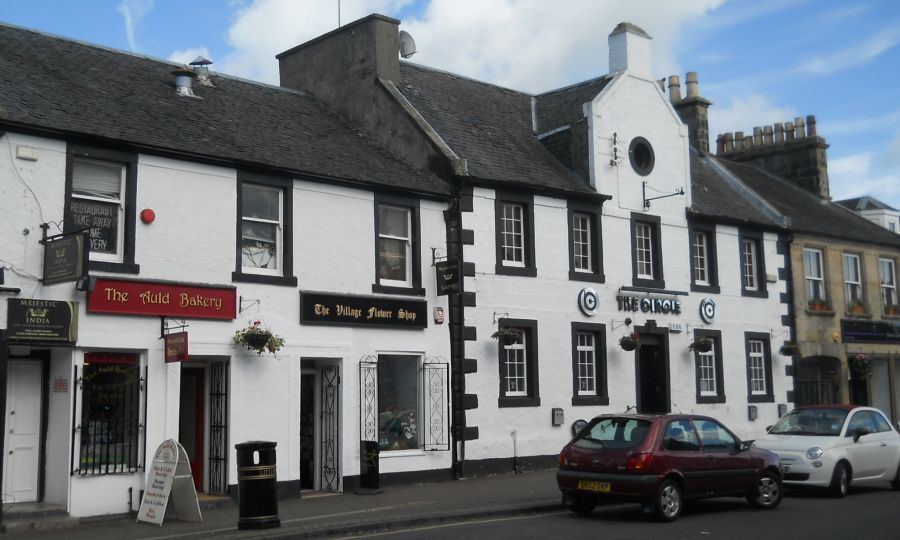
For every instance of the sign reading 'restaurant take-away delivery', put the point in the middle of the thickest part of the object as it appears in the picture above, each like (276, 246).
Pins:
(162, 299)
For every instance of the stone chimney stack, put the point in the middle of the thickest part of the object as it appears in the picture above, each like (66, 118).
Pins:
(790, 149)
(630, 50)
(693, 110)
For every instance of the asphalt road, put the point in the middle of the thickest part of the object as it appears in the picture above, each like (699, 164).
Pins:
(864, 514)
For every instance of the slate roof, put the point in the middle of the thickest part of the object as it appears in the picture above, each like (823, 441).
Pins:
(72, 89)
(490, 127)
(717, 197)
(810, 214)
(865, 203)
(564, 106)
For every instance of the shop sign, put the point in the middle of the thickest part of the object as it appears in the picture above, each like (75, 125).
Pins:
(649, 305)
(41, 321)
(176, 347)
(170, 473)
(447, 274)
(588, 301)
(854, 331)
(352, 310)
(162, 299)
(65, 258)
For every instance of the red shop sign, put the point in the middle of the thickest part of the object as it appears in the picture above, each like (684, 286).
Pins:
(176, 347)
(162, 299)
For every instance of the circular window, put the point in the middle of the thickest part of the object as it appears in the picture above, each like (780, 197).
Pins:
(641, 155)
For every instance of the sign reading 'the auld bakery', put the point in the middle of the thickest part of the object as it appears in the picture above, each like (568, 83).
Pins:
(351, 310)
(162, 299)
(41, 321)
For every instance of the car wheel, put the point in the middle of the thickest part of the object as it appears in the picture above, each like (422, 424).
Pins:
(668, 501)
(579, 505)
(895, 483)
(768, 492)
(840, 480)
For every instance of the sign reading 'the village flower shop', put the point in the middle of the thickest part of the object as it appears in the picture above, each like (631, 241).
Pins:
(350, 310)
(162, 299)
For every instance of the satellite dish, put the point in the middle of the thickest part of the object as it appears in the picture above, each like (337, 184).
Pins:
(407, 44)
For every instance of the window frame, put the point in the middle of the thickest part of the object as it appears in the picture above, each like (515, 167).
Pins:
(414, 286)
(595, 238)
(768, 395)
(419, 360)
(600, 395)
(285, 276)
(712, 266)
(892, 286)
(848, 285)
(755, 238)
(812, 254)
(128, 202)
(526, 201)
(719, 395)
(531, 397)
(657, 280)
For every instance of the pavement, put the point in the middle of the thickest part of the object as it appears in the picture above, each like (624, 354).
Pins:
(318, 515)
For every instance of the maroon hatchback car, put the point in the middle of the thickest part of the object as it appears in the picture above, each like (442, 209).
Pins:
(660, 461)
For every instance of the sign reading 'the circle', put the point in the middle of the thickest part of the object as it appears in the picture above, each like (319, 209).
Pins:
(707, 310)
(588, 301)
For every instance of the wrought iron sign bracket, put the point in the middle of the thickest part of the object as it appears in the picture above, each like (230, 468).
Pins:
(679, 191)
(435, 258)
(165, 328)
(250, 303)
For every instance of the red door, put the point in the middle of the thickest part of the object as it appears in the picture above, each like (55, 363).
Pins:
(191, 429)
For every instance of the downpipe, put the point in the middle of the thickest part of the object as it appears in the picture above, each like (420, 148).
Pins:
(515, 452)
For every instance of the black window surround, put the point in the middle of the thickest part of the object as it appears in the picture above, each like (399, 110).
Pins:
(415, 248)
(602, 391)
(286, 185)
(596, 274)
(130, 161)
(712, 262)
(533, 399)
(757, 238)
(527, 202)
(769, 396)
(716, 336)
(658, 281)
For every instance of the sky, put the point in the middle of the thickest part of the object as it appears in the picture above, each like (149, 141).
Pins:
(759, 61)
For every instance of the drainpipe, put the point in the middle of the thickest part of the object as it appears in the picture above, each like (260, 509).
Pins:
(456, 325)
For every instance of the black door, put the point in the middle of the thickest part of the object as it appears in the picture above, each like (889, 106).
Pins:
(652, 375)
(307, 431)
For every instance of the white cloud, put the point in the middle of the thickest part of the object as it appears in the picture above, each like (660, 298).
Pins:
(186, 56)
(529, 45)
(133, 11)
(744, 113)
(852, 56)
(856, 175)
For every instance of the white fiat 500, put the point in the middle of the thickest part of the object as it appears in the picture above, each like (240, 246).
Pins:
(831, 446)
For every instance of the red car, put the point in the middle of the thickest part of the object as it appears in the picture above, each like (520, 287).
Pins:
(660, 461)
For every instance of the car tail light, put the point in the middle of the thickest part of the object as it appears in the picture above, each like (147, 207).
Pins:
(639, 462)
(564, 456)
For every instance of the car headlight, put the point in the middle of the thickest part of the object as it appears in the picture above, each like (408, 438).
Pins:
(814, 453)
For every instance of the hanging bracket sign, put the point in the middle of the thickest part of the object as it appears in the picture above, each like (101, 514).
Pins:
(170, 473)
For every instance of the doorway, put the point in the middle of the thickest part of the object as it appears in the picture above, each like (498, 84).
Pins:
(652, 373)
(22, 444)
(308, 424)
(191, 419)
(319, 424)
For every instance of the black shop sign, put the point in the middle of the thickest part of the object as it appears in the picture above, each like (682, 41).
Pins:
(41, 321)
(352, 310)
(853, 331)
(65, 258)
(447, 275)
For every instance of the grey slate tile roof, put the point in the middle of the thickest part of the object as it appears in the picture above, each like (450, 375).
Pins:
(490, 127)
(865, 203)
(564, 106)
(717, 197)
(74, 90)
(808, 213)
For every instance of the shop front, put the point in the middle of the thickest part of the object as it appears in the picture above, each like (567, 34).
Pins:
(873, 364)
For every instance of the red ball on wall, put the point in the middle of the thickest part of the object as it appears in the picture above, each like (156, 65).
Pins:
(148, 215)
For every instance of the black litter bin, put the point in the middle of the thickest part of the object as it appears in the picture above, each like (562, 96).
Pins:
(257, 492)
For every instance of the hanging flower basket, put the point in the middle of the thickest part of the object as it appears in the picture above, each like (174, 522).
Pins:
(630, 342)
(860, 366)
(701, 345)
(258, 339)
(507, 335)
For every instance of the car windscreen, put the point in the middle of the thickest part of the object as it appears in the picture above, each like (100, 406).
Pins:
(613, 433)
(814, 421)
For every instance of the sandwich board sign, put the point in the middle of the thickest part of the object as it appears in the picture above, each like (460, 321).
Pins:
(169, 474)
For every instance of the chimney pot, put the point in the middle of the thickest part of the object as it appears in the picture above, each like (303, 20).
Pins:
(757, 136)
(748, 141)
(810, 126)
(720, 144)
(692, 85)
(674, 88)
(184, 79)
(799, 131)
(788, 131)
(729, 142)
(738, 140)
(779, 133)
(767, 135)
(201, 69)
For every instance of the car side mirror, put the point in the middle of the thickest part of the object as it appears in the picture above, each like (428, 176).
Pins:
(768, 429)
(744, 445)
(859, 432)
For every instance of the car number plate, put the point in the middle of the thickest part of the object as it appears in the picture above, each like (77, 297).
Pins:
(592, 485)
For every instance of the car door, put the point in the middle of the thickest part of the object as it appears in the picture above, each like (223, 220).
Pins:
(683, 455)
(867, 456)
(888, 449)
(728, 470)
